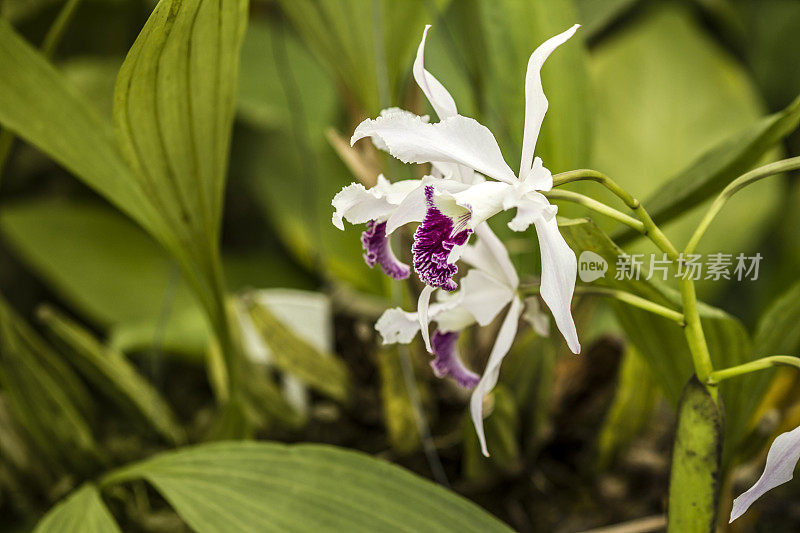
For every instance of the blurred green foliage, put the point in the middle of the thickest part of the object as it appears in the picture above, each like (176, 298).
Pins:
(205, 167)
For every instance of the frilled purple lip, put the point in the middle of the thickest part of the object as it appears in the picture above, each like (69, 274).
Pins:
(378, 251)
(433, 242)
(448, 363)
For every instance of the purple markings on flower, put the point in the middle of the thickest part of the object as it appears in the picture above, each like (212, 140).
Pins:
(377, 251)
(448, 363)
(433, 242)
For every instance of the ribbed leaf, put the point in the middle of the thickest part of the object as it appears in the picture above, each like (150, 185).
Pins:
(82, 512)
(45, 396)
(258, 487)
(695, 475)
(111, 372)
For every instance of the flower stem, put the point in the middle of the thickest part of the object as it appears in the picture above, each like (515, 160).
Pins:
(701, 357)
(733, 187)
(651, 231)
(596, 206)
(759, 364)
(636, 301)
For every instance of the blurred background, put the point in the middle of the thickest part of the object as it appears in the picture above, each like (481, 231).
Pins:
(645, 88)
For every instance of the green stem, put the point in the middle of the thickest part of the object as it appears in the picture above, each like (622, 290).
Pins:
(759, 364)
(733, 187)
(596, 206)
(622, 296)
(651, 231)
(701, 357)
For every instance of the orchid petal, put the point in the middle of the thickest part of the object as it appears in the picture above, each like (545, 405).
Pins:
(502, 345)
(414, 204)
(397, 326)
(529, 208)
(484, 296)
(359, 205)
(781, 461)
(489, 254)
(482, 200)
(534, 316)
(456, 139)
(559, 270)
(422, 315)
(535, 100)
(437, 95)
(448, 362)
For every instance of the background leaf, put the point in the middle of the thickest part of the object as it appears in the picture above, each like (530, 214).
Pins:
(82, 512)
(274, 487)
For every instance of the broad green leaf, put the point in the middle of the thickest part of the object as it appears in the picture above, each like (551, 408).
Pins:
(713, 170)
(665, 94)
(512, 31)
(778, 330)
(104, 265)
(82, 512)
(116, 276)
(398, 408)
(48, 401)
(250, 486)
(367, 45)
(632, 408)
(695, 475)
(112, 373)
(662, 343)
(295, 355)
(38, 105)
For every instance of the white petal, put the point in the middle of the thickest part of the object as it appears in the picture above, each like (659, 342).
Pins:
(539, 178)
(781, 461)
(559, 269)
(529, 208)
(455, 319)
(489, 254)
(437, 95)
(358, 205)
(534, 315)
(484, 296)
(396, 325)
(422, 315)
(502, 345)
(414, 206)
(535, 100)
(456, 139)
(483, 200)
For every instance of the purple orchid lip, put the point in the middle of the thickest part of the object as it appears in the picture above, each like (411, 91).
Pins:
(448, 363)
(378, 251)
(433, 242)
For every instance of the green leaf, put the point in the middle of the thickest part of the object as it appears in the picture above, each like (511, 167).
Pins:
(512, 31)
(82, 512)
(324, 372)
(251, 486)
(48, 400)
(112, 373)
(662, 343)
(632, 408)
(109, 269)
(713, 170)
(368, 46)
(695, 474)
(38, 105)
(778, 330)
(596, 16)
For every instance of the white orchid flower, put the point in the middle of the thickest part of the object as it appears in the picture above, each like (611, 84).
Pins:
(462, 146)
(781, 461)
(489, 287)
